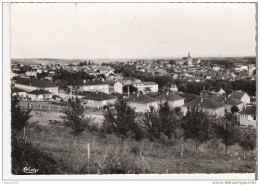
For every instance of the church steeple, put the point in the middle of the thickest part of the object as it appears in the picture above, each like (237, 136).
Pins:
(189, 54)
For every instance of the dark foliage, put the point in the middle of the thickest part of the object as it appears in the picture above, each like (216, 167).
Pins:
(227, 130)
(247, 138)
(198, 125)
(234, 109)
(74, 117)
(165, 121)
(19, 118)
(121, 121)
(131, 89)
(25, 155)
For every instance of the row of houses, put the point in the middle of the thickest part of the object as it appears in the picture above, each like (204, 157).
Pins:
(96, 94)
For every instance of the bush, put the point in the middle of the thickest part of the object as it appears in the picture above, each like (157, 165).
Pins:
(25, 154)
(123, 164)
(121, 122)
(163, 124)
(136, 150)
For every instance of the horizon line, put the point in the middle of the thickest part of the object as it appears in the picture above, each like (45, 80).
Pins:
(128, 58)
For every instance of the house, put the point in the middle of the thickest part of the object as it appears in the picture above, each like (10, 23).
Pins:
(174, 87)
(80, 94)
(14, 74)
(18, 92)
(118, 87)
(146, 86)
(98, 99)
(39, 95)
(94, 85)
(248, 116)
(32, 72)
(230, 102)
(208, 105)
(173, 99)
(221, 92)
(141, 102)
(32, 84)
(240, 95)
(110, 75)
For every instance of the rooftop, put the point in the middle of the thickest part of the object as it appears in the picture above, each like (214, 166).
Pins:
(168, 96)
(98, 96)
(249, 110)
(237, 94)
(35, 83)
(39, 91)
(204, 103)
(141, 98)
(232, 101)
(16, 90)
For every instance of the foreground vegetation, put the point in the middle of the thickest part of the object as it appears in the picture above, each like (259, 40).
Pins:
(165, 142)
(112, 155)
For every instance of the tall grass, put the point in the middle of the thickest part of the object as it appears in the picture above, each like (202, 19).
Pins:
(112, 155)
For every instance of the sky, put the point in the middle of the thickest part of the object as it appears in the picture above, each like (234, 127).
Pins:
(132, 30)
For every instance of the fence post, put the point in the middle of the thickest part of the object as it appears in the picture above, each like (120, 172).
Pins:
(88, 156)
(24, 132)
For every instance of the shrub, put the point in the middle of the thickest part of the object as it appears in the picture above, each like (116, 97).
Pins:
(198, 126)
(136, 150)
(164, 122)
(121, 121)
(74, 118)
(25, 154)
(227, 131)
(19, 118)
(247, 139)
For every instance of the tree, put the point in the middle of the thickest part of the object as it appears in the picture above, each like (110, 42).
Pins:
(164, 123)
(121, 121)
(172, 62)
(227, 130)
(131, 89)
(198, 126)
(19, 118)
(234, 109)
(73, 117)
(247, 139)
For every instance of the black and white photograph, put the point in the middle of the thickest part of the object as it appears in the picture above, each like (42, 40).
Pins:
(130, 90)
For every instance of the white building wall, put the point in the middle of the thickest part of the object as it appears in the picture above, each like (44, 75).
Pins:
(118, 87)
(102, 88)
(228, 107)
(247, 120)
(245, 98)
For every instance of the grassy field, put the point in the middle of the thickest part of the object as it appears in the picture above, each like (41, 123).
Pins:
(109, 154)
(43, 117)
